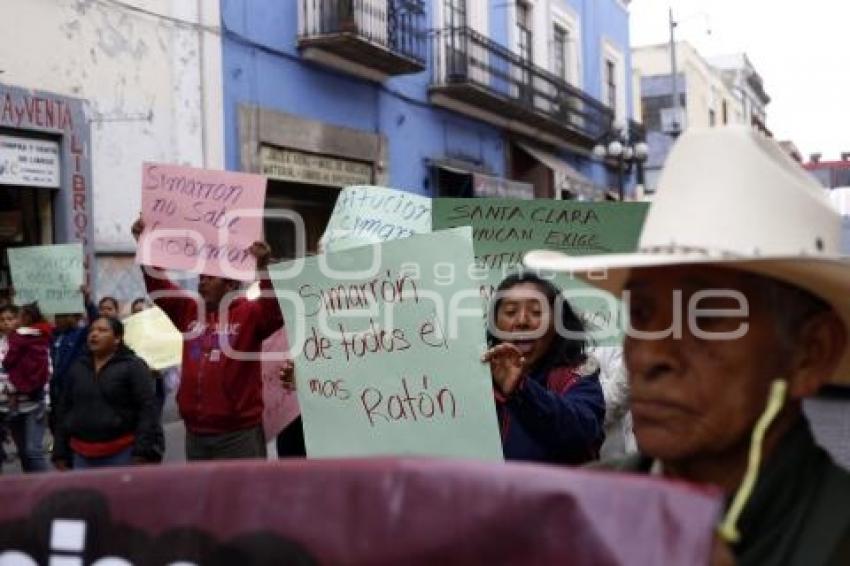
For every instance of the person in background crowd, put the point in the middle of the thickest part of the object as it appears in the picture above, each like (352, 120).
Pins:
(8, 324)
(27, 363)
(108, 306)
(220, 398)
(548, 397)
(619, 439)
(736, 315)
(139, 304)
(107, 414)
(68, 344)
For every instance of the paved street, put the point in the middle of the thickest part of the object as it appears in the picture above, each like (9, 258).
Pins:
(830, 419)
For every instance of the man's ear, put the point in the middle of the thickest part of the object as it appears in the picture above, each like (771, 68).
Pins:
(821, 343)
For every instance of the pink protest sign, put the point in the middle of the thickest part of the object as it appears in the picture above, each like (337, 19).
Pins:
(201, 220)
(280, 407)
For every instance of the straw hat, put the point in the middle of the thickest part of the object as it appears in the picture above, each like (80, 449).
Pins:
(731, 197)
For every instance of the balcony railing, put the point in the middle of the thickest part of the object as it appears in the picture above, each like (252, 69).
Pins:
(479, 73)
(388, 36)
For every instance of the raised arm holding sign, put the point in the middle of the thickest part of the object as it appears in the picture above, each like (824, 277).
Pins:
(220, 395)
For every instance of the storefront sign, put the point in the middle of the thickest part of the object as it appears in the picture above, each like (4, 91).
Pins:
(29, 162)
(24, 111)
(496, 187)
(299, 167)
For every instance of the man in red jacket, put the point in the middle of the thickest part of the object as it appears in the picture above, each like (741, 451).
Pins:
(220, 397)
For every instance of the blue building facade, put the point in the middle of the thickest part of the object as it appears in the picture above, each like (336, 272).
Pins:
(437, 97)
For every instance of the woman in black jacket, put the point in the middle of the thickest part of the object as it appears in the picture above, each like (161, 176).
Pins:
(107, 414)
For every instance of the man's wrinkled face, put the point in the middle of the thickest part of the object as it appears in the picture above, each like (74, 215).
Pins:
(698, 395)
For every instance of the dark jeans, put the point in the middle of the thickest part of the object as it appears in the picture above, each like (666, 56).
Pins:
(290, 441)
(248, 443)
(28, 435)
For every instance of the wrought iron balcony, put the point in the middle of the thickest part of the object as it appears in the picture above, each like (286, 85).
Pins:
(475, 75)
(370, 38)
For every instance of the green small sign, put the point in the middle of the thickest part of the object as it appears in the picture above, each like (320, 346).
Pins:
(50, 275)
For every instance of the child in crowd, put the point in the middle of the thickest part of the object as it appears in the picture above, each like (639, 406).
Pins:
(8, 324)
(27, 363)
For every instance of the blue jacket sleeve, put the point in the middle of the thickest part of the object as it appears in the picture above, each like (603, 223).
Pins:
(91, 313)
(565, 424)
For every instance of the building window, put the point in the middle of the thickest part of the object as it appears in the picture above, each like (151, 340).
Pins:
(524, 34)
(561, 45)
(455, 13)
(456, 45)
(611, 84)
(712, 118)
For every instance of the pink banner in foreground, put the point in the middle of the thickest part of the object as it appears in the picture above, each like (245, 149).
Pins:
(370, 511)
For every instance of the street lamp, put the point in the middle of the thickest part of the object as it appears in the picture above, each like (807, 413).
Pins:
(622, 145)
(678, 113)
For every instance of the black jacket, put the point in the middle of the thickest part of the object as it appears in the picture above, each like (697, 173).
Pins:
(103, 407)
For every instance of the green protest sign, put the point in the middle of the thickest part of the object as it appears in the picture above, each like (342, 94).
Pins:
(370, 215)
(505, 229)
(387, 349)
(50, 275)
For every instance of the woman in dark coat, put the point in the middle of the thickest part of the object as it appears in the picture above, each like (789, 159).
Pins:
(548, 396)
(108, 414)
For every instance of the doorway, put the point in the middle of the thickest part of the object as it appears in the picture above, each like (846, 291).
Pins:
(313, 203)
(26, 219)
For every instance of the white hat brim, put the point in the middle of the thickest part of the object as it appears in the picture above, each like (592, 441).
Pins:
(827, 277)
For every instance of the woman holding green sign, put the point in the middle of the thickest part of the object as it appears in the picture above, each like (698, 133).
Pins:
(548, 397)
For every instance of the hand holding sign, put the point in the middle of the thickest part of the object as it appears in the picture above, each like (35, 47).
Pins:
(287, 375)
(200, 220)
(506, 361)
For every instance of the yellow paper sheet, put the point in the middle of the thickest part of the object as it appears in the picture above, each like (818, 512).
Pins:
(154, 338)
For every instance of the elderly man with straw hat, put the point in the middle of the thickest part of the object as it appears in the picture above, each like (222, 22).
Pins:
(739, 308)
